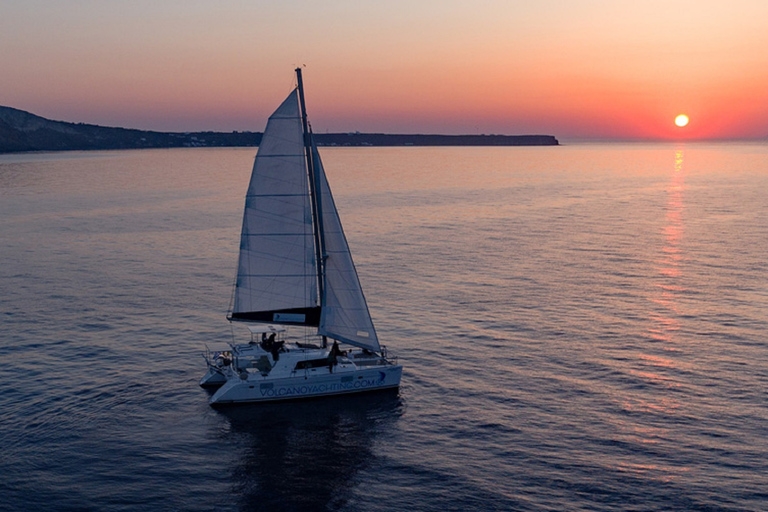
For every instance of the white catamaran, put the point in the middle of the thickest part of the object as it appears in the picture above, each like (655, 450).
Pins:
(295, 269)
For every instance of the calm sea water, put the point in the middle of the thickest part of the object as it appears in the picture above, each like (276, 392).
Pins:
(581, 327)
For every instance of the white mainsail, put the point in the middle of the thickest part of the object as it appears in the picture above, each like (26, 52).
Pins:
(277, 273)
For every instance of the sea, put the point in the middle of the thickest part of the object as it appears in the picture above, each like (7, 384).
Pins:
(582, 327)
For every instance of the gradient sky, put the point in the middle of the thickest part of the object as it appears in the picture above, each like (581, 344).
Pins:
(574, 69)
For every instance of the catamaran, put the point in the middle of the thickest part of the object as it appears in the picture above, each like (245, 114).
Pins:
(295, 271)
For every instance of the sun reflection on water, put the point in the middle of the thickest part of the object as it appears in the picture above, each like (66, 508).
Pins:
(651, 366)
(670, 264)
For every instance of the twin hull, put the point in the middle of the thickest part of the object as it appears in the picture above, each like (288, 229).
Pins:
(259, 389)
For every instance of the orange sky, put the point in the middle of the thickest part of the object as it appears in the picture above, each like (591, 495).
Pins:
(579, 69)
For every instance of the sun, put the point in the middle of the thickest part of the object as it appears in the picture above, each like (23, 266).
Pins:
(681, 120)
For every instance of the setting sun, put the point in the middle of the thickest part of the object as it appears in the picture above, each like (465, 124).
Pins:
(681, 120)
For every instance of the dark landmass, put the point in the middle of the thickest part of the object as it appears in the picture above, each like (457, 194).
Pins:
(22, 131)
(383, 139)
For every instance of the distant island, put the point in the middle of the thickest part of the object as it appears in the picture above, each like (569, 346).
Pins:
(23, 131)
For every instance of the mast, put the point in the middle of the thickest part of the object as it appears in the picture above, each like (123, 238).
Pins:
(315, 194)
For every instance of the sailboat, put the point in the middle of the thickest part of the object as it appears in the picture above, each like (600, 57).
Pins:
(295, 271)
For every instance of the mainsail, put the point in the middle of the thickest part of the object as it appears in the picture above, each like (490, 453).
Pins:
(281, 271)
(277, 273)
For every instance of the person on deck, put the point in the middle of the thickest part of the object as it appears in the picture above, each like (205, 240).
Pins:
(334, 353)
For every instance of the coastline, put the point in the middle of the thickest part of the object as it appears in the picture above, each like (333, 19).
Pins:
(22, 131)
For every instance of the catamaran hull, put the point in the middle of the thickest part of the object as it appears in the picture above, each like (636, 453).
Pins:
(213, 379)
(257, 389)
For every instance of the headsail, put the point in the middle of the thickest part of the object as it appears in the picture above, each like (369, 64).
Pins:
(345, 313)
(277, 273)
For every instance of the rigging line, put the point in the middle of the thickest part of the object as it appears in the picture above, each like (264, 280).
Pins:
(232, 331)
(231, 306)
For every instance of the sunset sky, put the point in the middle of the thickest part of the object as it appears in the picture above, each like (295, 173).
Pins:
(579, 69)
